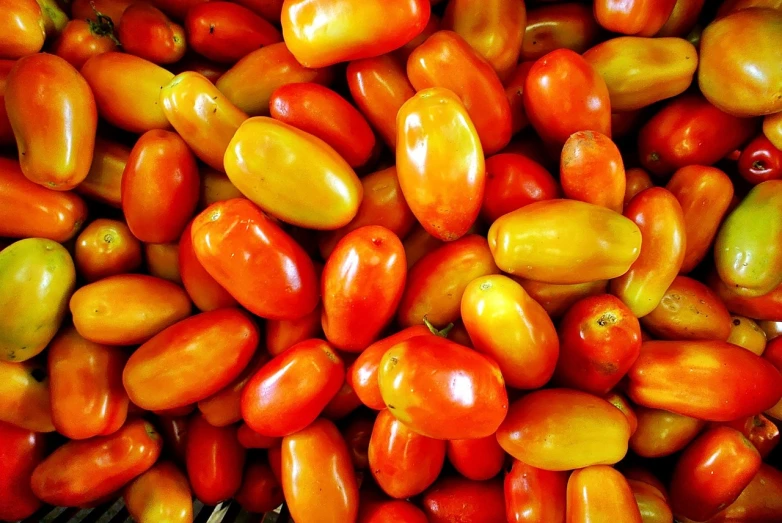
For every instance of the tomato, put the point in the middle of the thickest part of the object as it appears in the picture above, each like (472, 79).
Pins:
(652, 504)
(25, 391)
(447, 61)
(773, 329)
(215, 461)
(638, 180)
(252, 440)
(709, 380)
(270, 274)
(766, 307)
(320, 33)
(513, 329)
(317, 475)
(112, 9)
(104, 181)
(127, 90)
(625, 407)
(636, 17)
(205, 292)
(759, 430)
(683, 18)
(403, 53)
(690, 131)
(562, 26)
(661, 433)
(23, 32)
(564, 94)
(160, 494)
(772, 128)
(147, 306)
(105, 248)
(81, 472)
(6, 132)
(513, 181)
(600, 494)
(216, 187)
(163, 261)
(564, 241)
(557, 299)
(418, 243)
(83, 39)
(748, 249)
(760, 160)
(761, 500)
(37, 278)
(742, 46)
(747, 334)
(459, 499)
(534, 495)
(21, 452)
(357, 433)
(476, 459)
(642, 71)
(283, 334)
(390, 512)
(292, 389)
(591, 170)
(344, 402)
(260, 491)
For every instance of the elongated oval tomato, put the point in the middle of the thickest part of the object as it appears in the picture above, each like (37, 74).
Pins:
(441, 389)
(260, 491)
(440, 163)
(81, 472)
(564, 94)
(636, 17)
(453, 498)
(766, 307)
(591, 170)
(204, 290)
(709, 380)
(357, 433)
(145, 31)
(85, 379)
(80, 40)
(25, 390)
(106, 248)
(202, 115)
(292, 389)
(104, 181)
(148, 306)
(270, 160)
(476, 459)
(270, 274)
(662, 433)
(224, 407)
(21, 452)
(600, 494)
(513, 329)
(403, 462)
(214, 459)
(157, 207)
(23, 32)
(704, 193)
(194, 63)
(447, 61)
(160, 494)
(323, 32)
(53, 114)
(533, 494)
(590, 243)
(561, 26)
(249, 84)
(179, 366)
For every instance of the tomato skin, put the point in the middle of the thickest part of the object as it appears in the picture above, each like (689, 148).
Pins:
(772, 128)
(83, 39)
(766, 307)
(476, 459)
(513, 329)
(514, 90)
(759, 501)
(250, 439)
(591, 170)
(459, 499)
(6, 132)
(637, 17)
(683, 18)
(513, 181)
(163, 261)
(357, 433)
(688, 130)
(284, 334)
(23, 31)
(390, 512)
(748, 248)
(651, 502)
(445, 60)
(599, 494)
(215, 461)
(561, 26)
(760, 160)
(21, 452)
(732, 46)
(292, 389)
(81, 472)
(320, 33)
(270, 275)
(25, 389)
(160, 494)
(206, 293)
(138, 109)
(639, 180)
(260, 491)
(557, 299)
(773, 329)
(317, 475)
(605, 246)
(216, 187)
(82, 9)
(759, 430)
(708, 380)
(105, 248)
(731, 6)
(104, 181)
(662, 433)
(174, 430)
(747, 334)
(534, 495)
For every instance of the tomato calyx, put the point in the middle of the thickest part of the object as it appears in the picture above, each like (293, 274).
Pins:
(102, 25)
(443, 333)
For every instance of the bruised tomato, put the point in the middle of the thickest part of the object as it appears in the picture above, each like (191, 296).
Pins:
(260, 491)
(23, 29)
(661, 433)
(104, 181)
(205, 292)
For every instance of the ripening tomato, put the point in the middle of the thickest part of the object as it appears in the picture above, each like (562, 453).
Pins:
(205, 292)
(160, 494)
(639, 180)
(252, 440)
(562, 26)
(683, 18)
(270, 274)
(22, 450)
(730, 6)
(22, 31)
(642, 71)
(766, 307)
(104, 181)
(591, 170)
(105, 248)
(323, 32)
(760, 160)
(564, 241)
(748, 248)
(82, 472)
(476, 459)
(127, 90)
(513, 329)
(344, 402)
(619, 401)
(772, 128)
(662, 433)
(163, 261)
(600, 494)
(43, 92)
(6, 132)
(418, 243)
(759, 430)
(317, 475)
(260, 491)
(460, 499)
(773, 329)
(635, 17)
(747, 334)
(83, 39)
(215, 461)
(112, 9)
(534, 495)
(447, 61)
(24, 387)
(513, 181)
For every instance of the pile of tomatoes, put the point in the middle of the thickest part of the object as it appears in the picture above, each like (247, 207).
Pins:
(463, 261)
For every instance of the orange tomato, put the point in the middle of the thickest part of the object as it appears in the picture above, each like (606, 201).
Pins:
(83, 39)
(284, 334)
(224, 407)
(514, 91)
(163, 261)
(25, 391)
(112, 9)
(476, 459)
(591, 170)
(22, 31)
(561, 26)
(635, 17)
(104, 181)
(761, 500)
(204, 290)
(600, 494)
(160, 494)
(662, 433)
(557, 299)
(638, 180)
(145, 31)
(513, 181)
(766, 307)
(454, 498)
(6, 132)
(534, 495)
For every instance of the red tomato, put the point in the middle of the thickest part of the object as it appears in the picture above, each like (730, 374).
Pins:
(113, 9)
(160, 494)
(561, 26)
(205, 292)
(22, 31)
(459, 499)
(766, 307)
(82, 472)
(634, 17)
(174, 430)
(591, 170)
(344, 401)
(534, 495)
(252, 440)
(163, 261)
(600, 494)
(146, 32)
(215, 461)
(225, 32)
(284, 334)
(6, 132)
(759, 430)
(106, 248)
(176, 8)
(269, 9)
(21, 452)
(225, 406)
(760, 160)
(260, 491)
(432, 26)
(514, 90)
(269, 274)
(513, 181)
(476, 459)
(291, 390)
(396, 511)
(760, 501)
(83, 39)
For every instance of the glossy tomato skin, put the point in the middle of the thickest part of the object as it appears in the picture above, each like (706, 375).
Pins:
(23, 29)
(747, 334)
(557, 299)
(25, 389)
(106, 248)
(323, 32)
(459, 499)
(637, 181)
(160, 494)
(288, 288)
(511, 328)
(683, 18)
(104, 181)
(83, 39)
(284, 334)
(81, 472)
(226, 32)
(292, 389)
(82, 9)
(158, 208)
(317, 475)
(759, 430)
(772, 128)
(446, 60)
(662, 433)
(260, 491)
(476, 459)
(685, 377)
(390, 512)
(562, 26)
(760, 160)
(534, 495)
(415, 378)
(600, 494)
(514, 90)
(206, 293)
(147, 32)
(6, 132)
(591, 170)
(252, 440)
(431, 166)
(100, 317)
(44, 91)
(759, 501)
(21, 452)
(215, 461)
(163, 261)
(513, 181)
(179, 366)
(766, 307)
(637, 17)
(651, 502)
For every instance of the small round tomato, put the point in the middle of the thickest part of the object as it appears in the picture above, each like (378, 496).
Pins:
(534, 495)
(454, 498)
(25, 389)
(106, 248)
(561, 26)
(145, 31)
(591, 170)
(216, 187)
(477, 459)
(160, 494)
(22, 31)
(636, 17)
(20, 454)
(260, 491)
(83, 39)
(513, 181)
(651, 502)
(747, 334)
(760, 160)
(600, 494)
(215, 461)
